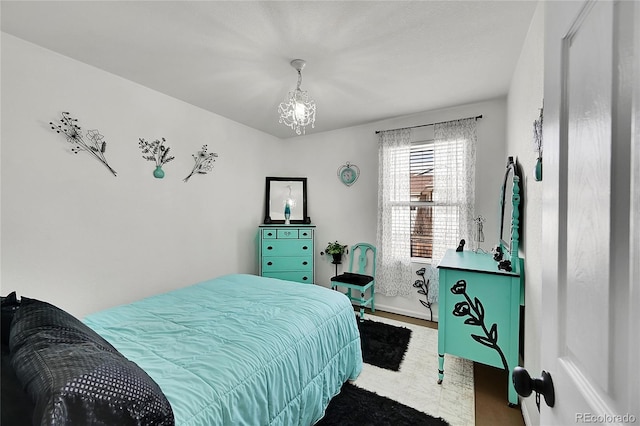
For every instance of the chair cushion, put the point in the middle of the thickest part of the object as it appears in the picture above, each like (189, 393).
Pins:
(351, 278)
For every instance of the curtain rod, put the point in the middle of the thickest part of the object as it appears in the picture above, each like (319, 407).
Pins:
(430, 124)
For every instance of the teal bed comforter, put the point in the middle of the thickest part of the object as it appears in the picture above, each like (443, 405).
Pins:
(240, 349)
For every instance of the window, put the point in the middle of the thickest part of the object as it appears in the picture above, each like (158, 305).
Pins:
(426, 196)
(421, 205)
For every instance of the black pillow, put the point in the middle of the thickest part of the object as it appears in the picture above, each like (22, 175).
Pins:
(74, 376)
(9, 305)
(17, 408)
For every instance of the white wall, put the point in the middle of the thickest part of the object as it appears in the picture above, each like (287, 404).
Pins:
(524, 103)
(75, 235)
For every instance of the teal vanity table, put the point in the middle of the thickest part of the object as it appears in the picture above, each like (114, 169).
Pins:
(480, 295)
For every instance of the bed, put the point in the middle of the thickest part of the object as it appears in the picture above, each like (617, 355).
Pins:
(238, 349)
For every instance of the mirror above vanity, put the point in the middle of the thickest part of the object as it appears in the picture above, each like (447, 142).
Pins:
(509, 221)
(286, 200)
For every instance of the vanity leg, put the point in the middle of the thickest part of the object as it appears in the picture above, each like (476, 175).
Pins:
(440, 368)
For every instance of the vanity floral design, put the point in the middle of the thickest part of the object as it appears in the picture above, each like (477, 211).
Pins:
(481, 295)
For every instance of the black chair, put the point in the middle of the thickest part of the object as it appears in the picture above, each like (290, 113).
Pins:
(359, 278)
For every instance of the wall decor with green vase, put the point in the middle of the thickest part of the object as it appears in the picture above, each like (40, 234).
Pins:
(157, 152)
(537, 146)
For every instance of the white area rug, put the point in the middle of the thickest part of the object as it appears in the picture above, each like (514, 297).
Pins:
(416, 384)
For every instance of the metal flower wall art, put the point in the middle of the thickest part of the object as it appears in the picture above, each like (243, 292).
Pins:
(474, 310)
(204, 162)
(157, 152)
(93, 142)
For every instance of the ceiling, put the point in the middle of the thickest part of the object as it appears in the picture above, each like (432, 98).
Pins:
(366, 61)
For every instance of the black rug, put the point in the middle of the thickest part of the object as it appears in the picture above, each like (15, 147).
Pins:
(383, 345)
(358, 407)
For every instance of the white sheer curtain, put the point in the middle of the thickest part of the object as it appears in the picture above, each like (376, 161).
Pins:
(454, 185)
(393, 274)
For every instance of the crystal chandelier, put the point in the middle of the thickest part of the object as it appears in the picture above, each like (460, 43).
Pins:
(298, 111)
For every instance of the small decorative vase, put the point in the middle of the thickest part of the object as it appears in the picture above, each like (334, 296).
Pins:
(158, 172)
(337, 258)
(538, 170)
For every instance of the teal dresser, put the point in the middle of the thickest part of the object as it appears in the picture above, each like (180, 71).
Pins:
(479, 312)
(286, 252)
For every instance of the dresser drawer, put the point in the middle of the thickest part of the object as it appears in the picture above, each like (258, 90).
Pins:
(287, 233)
(268, 234)
(305, 233)
(286, 247)
(300, 277)
(294, 263)
(291, 233)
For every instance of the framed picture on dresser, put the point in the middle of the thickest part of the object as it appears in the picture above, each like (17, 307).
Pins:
(286, 200)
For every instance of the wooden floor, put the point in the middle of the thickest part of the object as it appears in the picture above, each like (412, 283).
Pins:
(492, 407)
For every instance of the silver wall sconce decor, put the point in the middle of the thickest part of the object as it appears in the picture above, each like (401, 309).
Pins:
(298, 111)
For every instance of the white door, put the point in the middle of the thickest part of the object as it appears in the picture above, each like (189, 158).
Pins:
(591, 212)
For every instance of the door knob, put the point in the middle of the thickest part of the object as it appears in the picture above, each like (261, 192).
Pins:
(524, 385)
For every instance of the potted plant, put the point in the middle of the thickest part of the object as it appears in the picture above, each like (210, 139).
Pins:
(336, 250)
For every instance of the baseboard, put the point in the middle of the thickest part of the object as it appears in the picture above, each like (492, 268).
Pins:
(409, 313)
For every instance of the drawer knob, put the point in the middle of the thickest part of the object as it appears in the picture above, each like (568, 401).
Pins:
(305, 263)
(269, 263)
(305, 248)
(270, 248)
(270, 234)
(305, 278)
